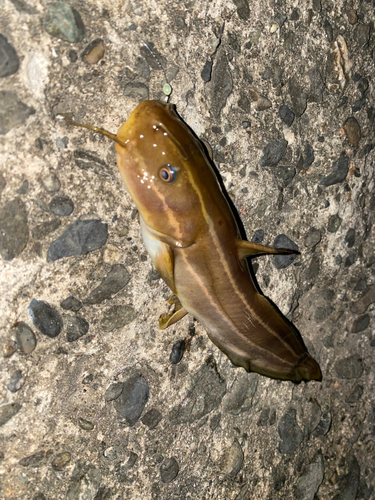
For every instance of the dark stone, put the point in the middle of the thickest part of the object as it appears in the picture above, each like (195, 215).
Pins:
(16, 381)
(286, 115)
(8, 411)
(117, 317)
(221, 84)
(352, 130)
(45, 228)
(72, 55)
(61, 206)
(244, 103)
(361, 34)
(84, 482)
(25, 338)
(350, 238)
(298, 97)
(208, 388)
(339, 171)
(215, 420)
(284, 174)
(76, 327)
(12, 111)
(365, 150)
(24, 187)
(246, 124)
(33, 460)
(152, 418)
(177, 352)
(360, 323)
(169, 470)
(86, 425)
(232, 459)
(71, 304)
(136, 90)
(132, 400)
(329, 30)
(361, 305)
(64, 22)
(240, 397)
(14, 230)
(45, 318)
(361, 284)
(283, 261)
(92, 163)
(312, 477)
(317, 85)
(290, 433)
(258, 236)
(243, 10)
(308, 156)
(273, 152)
(359, 104)
(355, 395)
(117, 278)
(312, 238)
(349, 483)
(314, 268)
(153, 57)
(350, 367)
(334, 222)
(324, 425)
(206, 71)
(9, 62)
(349, 261)
(79, 238)
(113, 391)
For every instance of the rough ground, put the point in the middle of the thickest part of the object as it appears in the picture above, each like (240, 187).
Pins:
(91, 405)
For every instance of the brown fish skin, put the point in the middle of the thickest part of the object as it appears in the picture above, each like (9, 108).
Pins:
(192, 237)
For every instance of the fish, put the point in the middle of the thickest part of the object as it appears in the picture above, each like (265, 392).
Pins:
(192, 236)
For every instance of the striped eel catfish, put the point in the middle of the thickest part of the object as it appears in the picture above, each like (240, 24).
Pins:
(193, 240)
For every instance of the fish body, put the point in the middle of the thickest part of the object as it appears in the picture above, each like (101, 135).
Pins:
(191, 234)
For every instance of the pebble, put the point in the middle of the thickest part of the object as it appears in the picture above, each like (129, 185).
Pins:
(312, 477)
(51, 182)
(14, 229)
(334, 222)
(355, 395)
(312, 238)
(64, 22)
(177, 352)
(16, 381)
(92, 163)
(61, 206)
(8, 411)
(206, 71)
(308, 156)
(132, 400)
(350, 367)
(243, 9)
(24, 187)
(348, 484)
(152, 418)
(290, 433)
(261, 102)
(71, 304)
(86, 425)
(352, 16)
(76, 327)
(169, 470)
(45, 228)
(267, 417)
(361, 305)
(25, 338)
(360, 323)
(350, 238)
(45, 318)
(220, 87)
(137, 90)
(215, 421)
(232, 459)
(94, 51)
(117, 278)
(284, 174)
(114, 391)
(324, 424)
(204, 395)
(61, 460)
(286, 115)
(284, 261)
(13, 112)
(79, 238)
(352, 131)
(9, 61)
(298, 97)
(339, 171)
(258, 236)
(33, 460)
(240, 398)
(84, 482)
(117, 317)
(273, 152)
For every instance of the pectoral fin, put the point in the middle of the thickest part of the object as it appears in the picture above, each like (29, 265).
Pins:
(178, 312)
(250, 249)
(164, 263)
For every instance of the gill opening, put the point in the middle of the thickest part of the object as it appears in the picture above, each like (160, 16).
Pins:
(99, 131)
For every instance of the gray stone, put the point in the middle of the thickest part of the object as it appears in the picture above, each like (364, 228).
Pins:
(13, 112)
(45, 228)
(339, 171)
(308, 484)
(350, 367)
(258, 236)
(355, 395)
(24, 187)
(14, 230)
(324, 424)
(240, 398)
(243, 9)
(25, 338)
(350, 238)
(16, 381)
(298, 97)
(273, 152)
(312, 238)
(334, 222)
(87, 161)
(61, 206)
(8, 411)
(34, 460)
(79, 238)
(361, 305)
(232, 459)
(220, 87)
(284, 174)
(169, 470)
(132, 400)
(177, 351)
(136, 90)
(283, 261)
(349, 483)
(206, 71)
(76, 327)
(204, 395)
(117, 278)
(71, 304)
(286, 115)
(308, 156)
(84, 482)
(152, 418)
(64, 22)
(61, 460)
(360, 323)
(86, 425)
(114, 391)
(117, 317)
(9, 62)
(45, 318)
(290, 433)
(267, 417)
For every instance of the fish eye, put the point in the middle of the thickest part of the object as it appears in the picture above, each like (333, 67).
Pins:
(168, 173)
